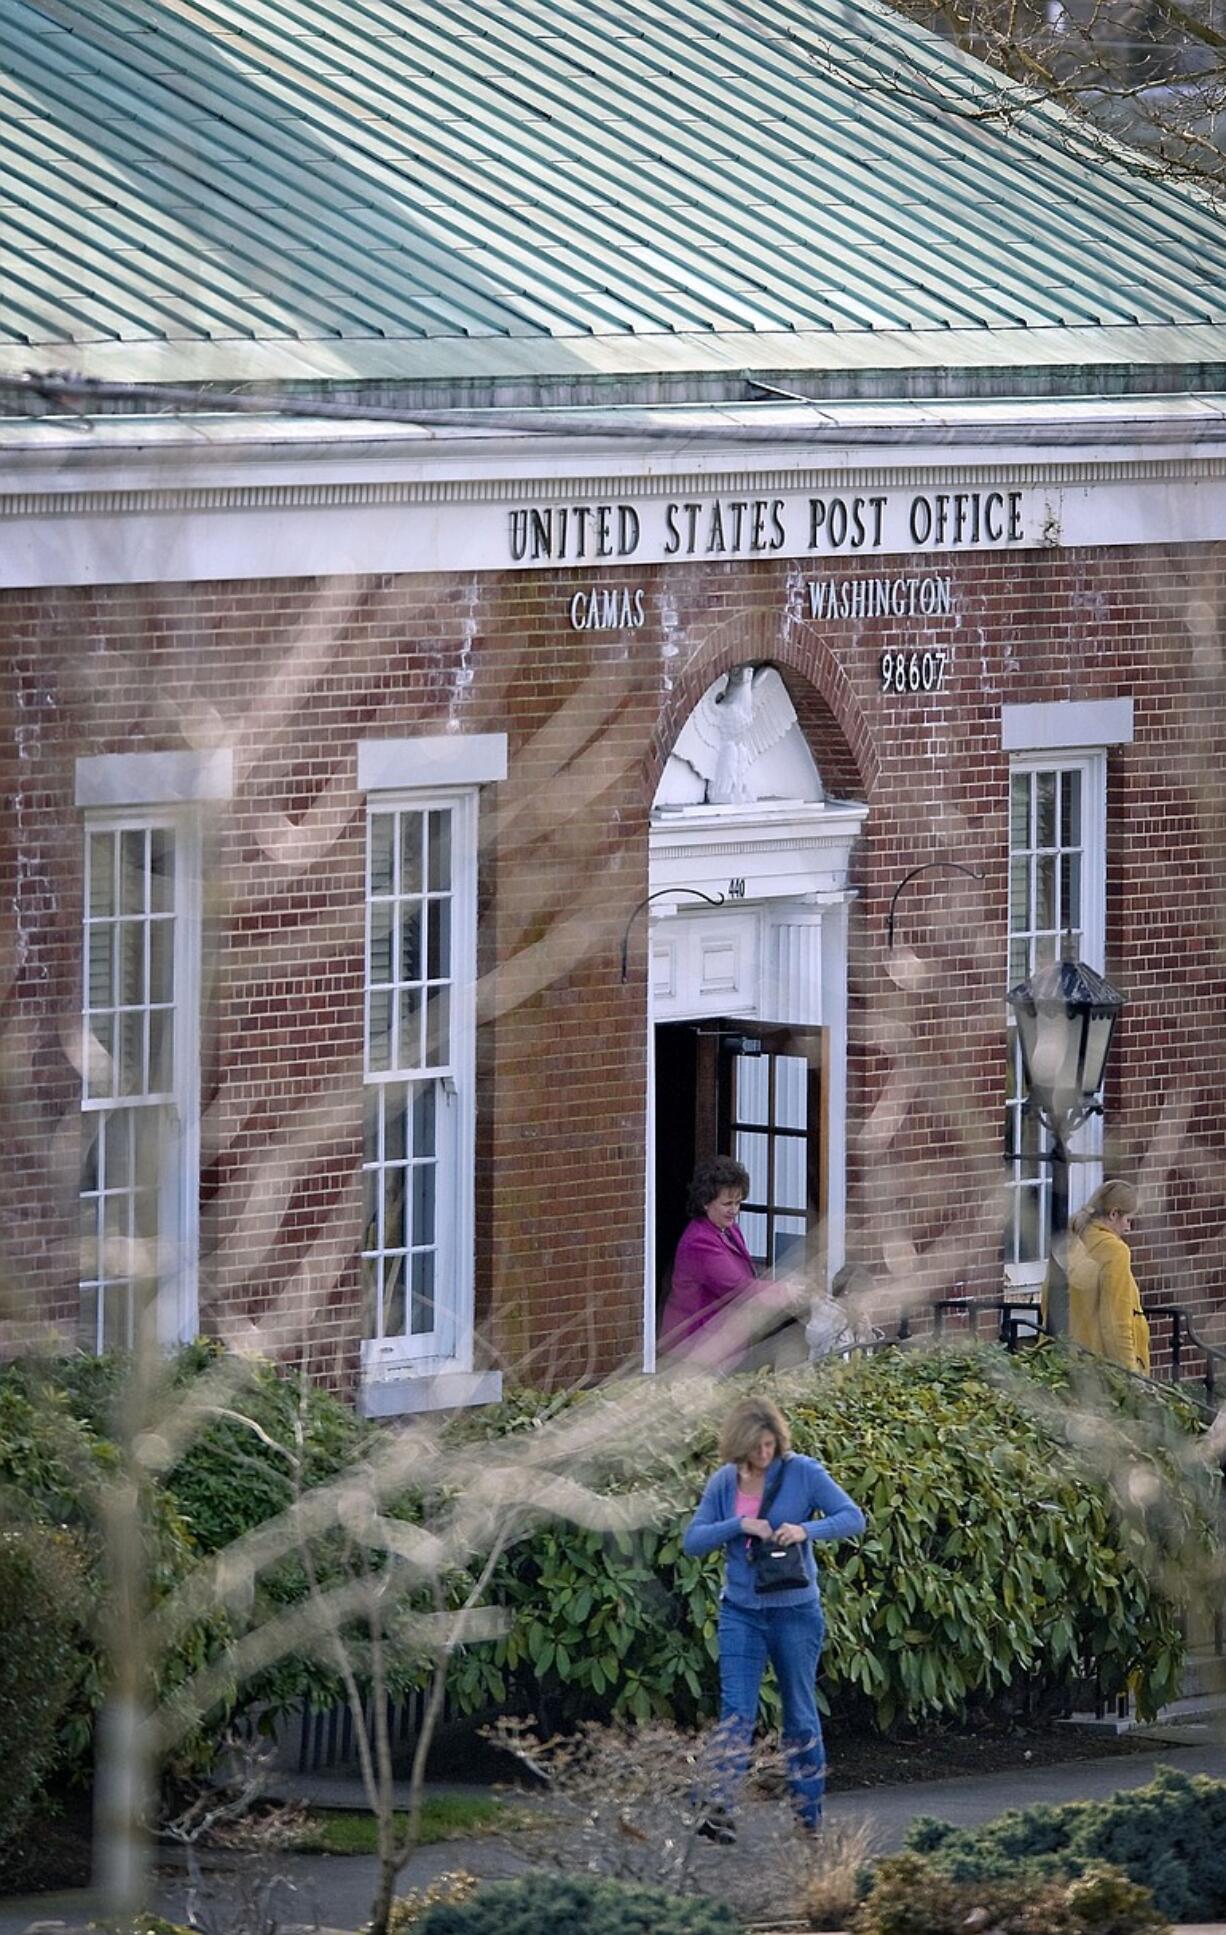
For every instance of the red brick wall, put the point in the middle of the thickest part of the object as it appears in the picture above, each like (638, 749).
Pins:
(293, 673)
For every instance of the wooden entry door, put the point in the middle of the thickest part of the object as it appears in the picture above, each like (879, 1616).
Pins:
(754, 1091)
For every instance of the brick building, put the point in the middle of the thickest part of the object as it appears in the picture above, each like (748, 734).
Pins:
(720, 573)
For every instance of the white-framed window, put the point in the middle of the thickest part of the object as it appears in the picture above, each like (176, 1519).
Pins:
(139, 1192)
(1057, 903)
(417, 1248)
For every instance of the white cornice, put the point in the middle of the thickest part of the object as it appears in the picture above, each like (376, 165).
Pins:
(357, 493)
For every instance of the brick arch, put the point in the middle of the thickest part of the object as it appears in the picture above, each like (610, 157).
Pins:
(827, 708)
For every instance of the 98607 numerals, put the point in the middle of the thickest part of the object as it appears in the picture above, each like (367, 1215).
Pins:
(905, 673)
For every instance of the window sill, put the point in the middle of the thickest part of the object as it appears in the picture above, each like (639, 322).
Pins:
(400, 1393)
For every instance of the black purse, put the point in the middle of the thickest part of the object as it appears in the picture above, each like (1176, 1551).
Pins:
(776, 1568)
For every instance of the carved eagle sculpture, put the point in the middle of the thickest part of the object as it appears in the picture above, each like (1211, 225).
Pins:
(741, 717)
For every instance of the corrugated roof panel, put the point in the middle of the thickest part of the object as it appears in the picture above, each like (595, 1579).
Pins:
(390, 169)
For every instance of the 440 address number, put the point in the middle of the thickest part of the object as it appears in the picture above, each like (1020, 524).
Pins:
(903, 673)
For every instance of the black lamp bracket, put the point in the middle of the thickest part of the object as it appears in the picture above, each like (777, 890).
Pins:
(926, 866)
(661, 893)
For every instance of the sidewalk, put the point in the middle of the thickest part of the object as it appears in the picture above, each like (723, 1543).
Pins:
(334, 1891)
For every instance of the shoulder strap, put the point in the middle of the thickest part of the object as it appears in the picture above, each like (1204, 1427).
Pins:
(772, 1490)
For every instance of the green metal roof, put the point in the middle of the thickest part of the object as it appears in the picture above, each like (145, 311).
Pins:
(298, 188)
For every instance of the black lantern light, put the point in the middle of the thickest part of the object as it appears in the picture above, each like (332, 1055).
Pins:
(1066, 1016)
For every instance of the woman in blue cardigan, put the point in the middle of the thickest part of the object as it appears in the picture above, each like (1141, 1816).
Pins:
(806, 1508)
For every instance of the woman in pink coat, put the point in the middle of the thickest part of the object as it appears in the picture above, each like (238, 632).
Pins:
(712, 1271)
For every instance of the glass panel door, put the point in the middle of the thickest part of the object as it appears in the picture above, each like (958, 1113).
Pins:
(770, 1118)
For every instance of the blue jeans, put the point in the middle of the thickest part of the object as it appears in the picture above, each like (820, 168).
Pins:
(790, 1637)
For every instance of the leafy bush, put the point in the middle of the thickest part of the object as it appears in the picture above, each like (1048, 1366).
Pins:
(42, 1604)
(1170, 1835)
(54, 1464)
(907, 1898)
(997, 1555)
(232, 1478)
(574, 1905)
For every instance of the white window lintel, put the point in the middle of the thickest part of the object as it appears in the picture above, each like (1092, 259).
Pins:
(1064, 725)
(155, 778)
(431, 760)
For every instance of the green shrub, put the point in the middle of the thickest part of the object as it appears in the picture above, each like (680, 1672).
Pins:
(1169, 1835)
(232, 1478)
(54, 1465)
(575, 1905)
(908, 1898)
(42, 1604)
(997, 1556)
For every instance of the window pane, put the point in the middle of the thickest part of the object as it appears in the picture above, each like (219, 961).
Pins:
(117, 1317)
(1019, 894)
(161, 960)
(410, 853)
(100, 965)
(101, 862)
(132, 872)
(791, 1188)
(393, 1209)
(93, 1154)
(99, 1050)
(132, 1054)
(438, 961)
(1019, 811)
(1019, 962)
(161, 1051)
(1045, 814)
(161, 870)
(423, 1292)
(423, 1119)
(753, 1151)
(119, 1165)
(380, 966)
(1070, 891)
(382, 832)
(410, 942)
(751, 1075)
(423, 1202)
(395, 1123)
(1070, 809)
(440, 851)
(438, 1028)
(131, 963)
(380, 1049)
(791, 1092)
(409, 1053)
(753, 1229)
(392, 1269)
(1045, 893)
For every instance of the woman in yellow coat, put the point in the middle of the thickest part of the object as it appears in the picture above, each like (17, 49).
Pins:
(1104, 1303)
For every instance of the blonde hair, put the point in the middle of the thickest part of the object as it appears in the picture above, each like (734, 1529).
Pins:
(1115, 1198)
(745, 1424)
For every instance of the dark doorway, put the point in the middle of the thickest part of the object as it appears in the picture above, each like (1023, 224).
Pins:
(753, 1090)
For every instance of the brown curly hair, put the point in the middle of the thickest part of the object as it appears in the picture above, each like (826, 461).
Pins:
(716, 1173)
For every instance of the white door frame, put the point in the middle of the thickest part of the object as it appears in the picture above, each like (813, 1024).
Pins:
(775, 951)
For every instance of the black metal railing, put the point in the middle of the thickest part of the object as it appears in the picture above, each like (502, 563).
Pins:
(1184, 1340)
